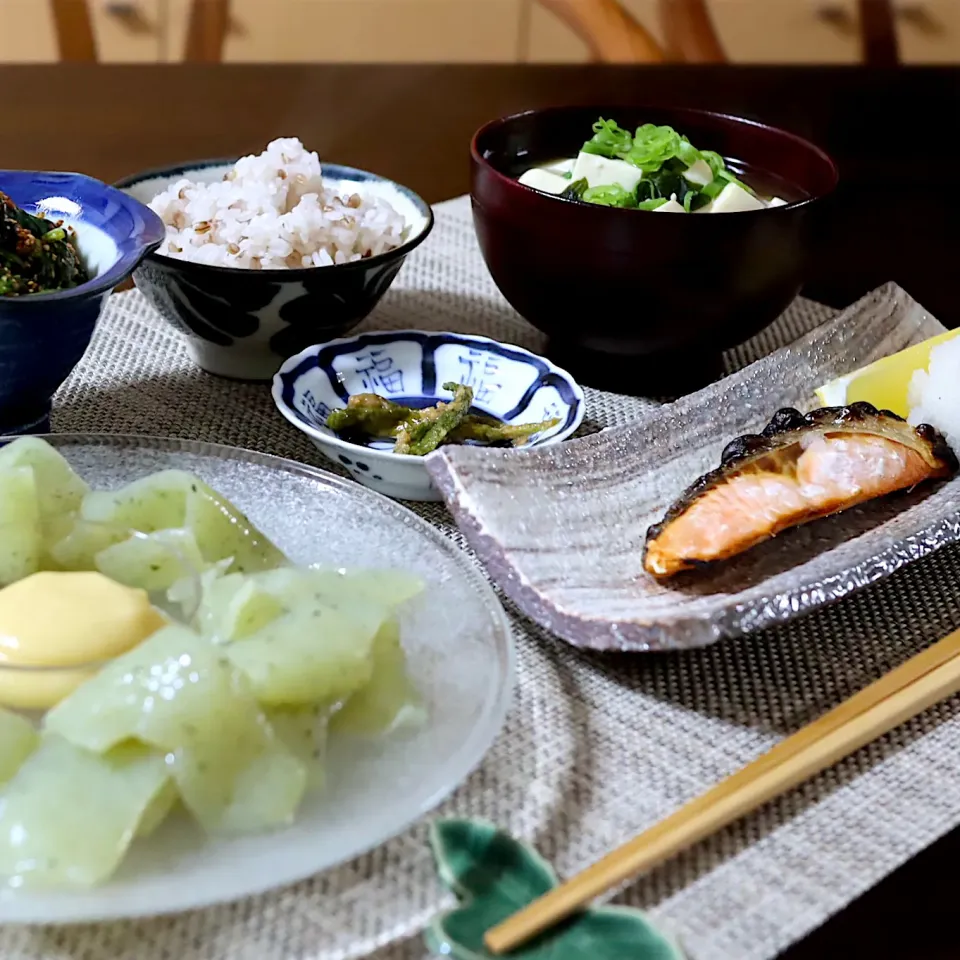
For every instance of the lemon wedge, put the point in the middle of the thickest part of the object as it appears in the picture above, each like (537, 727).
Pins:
(886, 382)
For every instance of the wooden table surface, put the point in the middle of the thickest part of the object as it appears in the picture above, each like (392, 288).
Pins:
(896, 219)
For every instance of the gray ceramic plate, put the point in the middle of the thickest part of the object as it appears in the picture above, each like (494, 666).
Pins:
(562, 529)
(459, 650)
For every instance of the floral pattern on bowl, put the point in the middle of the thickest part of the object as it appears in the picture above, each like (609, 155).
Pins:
(494, 875)
(411, 366)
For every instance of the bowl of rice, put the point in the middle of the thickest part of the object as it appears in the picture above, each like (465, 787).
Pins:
(271, 253)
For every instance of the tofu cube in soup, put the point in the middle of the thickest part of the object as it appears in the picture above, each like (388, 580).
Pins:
(545, 181)
(699, 173)
(671, 206)
(601, 172)
(562, 167)
(734, 199)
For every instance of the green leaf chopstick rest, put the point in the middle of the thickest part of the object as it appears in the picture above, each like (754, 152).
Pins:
(494, 875)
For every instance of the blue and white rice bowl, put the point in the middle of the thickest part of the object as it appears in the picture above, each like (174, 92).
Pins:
(243, 323)
(410, 367)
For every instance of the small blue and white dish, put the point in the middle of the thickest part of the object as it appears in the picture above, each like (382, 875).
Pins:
(242, 323)
(44, 335)
(410, 368)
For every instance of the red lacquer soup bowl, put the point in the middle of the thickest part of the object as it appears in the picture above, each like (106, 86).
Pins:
(634, 300)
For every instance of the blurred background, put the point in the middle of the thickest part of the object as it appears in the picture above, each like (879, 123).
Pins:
(500, 31)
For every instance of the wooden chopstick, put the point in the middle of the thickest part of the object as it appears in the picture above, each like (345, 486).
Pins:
(922, 681)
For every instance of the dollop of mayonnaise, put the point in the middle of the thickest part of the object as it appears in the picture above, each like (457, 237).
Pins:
(56, 628)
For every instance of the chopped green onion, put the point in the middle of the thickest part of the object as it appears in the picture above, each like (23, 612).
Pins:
(610, 195)
(653, 146)
(57, 233)
(651, 204)
(688, 153)
(649, 148)
(609, 140)
(713, 188)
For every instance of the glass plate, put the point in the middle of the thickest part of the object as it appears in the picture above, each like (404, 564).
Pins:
(460, 653)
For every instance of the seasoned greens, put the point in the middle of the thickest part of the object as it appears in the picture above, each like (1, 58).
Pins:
(36, 255)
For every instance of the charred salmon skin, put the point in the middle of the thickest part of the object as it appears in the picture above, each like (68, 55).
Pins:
(799, 468)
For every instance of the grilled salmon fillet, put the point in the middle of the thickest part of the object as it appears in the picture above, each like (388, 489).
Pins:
(800, 468)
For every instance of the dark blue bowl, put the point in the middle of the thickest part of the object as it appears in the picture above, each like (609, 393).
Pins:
(243, 323)
(44, 335)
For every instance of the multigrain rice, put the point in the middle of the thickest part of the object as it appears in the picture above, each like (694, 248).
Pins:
(273, 211)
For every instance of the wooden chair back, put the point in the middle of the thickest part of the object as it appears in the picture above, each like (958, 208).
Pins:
(74, 31)
(76, 42)
(207, 30)
(613, 35)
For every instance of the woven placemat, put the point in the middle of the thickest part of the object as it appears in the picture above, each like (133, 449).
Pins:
(596, 747)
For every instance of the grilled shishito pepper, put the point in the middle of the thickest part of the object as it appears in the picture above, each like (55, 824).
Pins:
(418, 431)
